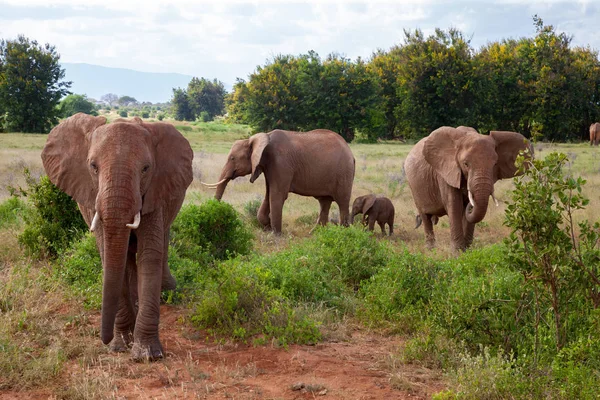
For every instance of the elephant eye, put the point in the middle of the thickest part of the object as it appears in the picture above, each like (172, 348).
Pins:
(145, 169)
(94, 167)
(466, 164)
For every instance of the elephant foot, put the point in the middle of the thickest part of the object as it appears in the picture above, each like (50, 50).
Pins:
(148, 351)
(121, 342)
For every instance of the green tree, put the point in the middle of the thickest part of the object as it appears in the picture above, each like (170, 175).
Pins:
(127, 101)
(274, 100)
(434, 81)
(74, 103)
(385, 67)
(31, 85)
(236, 103)
(182, 109)
(206, 97)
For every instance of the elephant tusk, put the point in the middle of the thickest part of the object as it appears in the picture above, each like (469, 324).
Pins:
(471, 201)
(495, 200)
(214, 185)
(95, 222)
(136, 221)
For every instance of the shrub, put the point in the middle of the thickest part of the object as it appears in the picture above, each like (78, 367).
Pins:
(189, 274)
(251, 208)
(80, 268)
(558, 261)
(123, 113)
(401, 291)
(145, 114)
(11, 211)
(236, 300)
(54, 221)
(204, 116)
(161, 116)
(213, 227)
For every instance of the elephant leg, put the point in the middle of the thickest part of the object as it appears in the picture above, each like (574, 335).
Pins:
(325, 204)
(382, 226)
(150, 265)
(344, 205)
(468, 232)
(276, 200)
(126, 313)
(391, 224)
(428, 228)
(264, 211)
(455, 211)
(371, 220)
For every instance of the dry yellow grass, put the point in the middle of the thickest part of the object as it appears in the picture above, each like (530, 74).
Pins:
(378, 170)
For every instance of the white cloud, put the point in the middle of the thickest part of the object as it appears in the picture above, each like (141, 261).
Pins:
(228, 39)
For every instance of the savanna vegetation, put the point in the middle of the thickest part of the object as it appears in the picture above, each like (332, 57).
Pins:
(539, 85)
(514, 317)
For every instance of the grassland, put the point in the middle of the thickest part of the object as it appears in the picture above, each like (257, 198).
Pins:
(49, 344)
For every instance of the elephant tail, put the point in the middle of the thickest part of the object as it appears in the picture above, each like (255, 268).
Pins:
(418, 221)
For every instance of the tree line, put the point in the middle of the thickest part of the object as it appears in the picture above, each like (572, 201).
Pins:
(539, 86)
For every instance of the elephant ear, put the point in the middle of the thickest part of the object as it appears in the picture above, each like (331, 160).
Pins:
(173, 166)
(65, 157)
(258, 143)
(440, 150)
(368, 203)
(508, 146)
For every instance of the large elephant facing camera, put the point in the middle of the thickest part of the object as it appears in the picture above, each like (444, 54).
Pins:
(452, 172)
(317, 163)
(129, 179)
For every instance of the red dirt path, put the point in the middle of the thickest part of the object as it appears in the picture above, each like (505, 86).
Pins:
(357, 368)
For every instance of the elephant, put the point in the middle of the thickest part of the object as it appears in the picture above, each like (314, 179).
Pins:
(374, 209)
(129, 180)
(318, 163)
(595, 134)
(452, 172)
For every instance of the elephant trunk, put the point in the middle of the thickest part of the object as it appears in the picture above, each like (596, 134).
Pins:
(479, 194)
(226, 176)
(118, 205)
(116, 243)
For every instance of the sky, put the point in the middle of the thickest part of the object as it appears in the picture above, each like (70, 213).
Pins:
(228, 39)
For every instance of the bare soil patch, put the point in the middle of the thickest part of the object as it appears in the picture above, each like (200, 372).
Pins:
(197, 367)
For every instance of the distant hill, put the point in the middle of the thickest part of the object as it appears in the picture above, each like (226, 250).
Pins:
(95, 81)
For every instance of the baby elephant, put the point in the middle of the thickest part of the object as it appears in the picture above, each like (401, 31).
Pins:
(375, 208)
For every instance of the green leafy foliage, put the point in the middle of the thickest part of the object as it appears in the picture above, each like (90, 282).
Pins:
(557, 257)
(214, 228)
(54, 221)
(11, 211)
(75, 103)
(203, 100)
(80, 267)
(238, 301)
(31, 85)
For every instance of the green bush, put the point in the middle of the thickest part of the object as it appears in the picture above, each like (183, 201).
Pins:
(145, 114)
(214, 228)
(161, 116)
(237, 301)
(54, 221)
(347, 253)
(11, 211)
(401, 291)
(189, 274)
(480, 299)
(251, 208)
(204, 116)
(123, 113)
(80, 268)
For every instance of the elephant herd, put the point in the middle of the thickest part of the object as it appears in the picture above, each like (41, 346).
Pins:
(129, 179)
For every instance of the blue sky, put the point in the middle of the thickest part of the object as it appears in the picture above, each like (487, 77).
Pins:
(228, 39)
